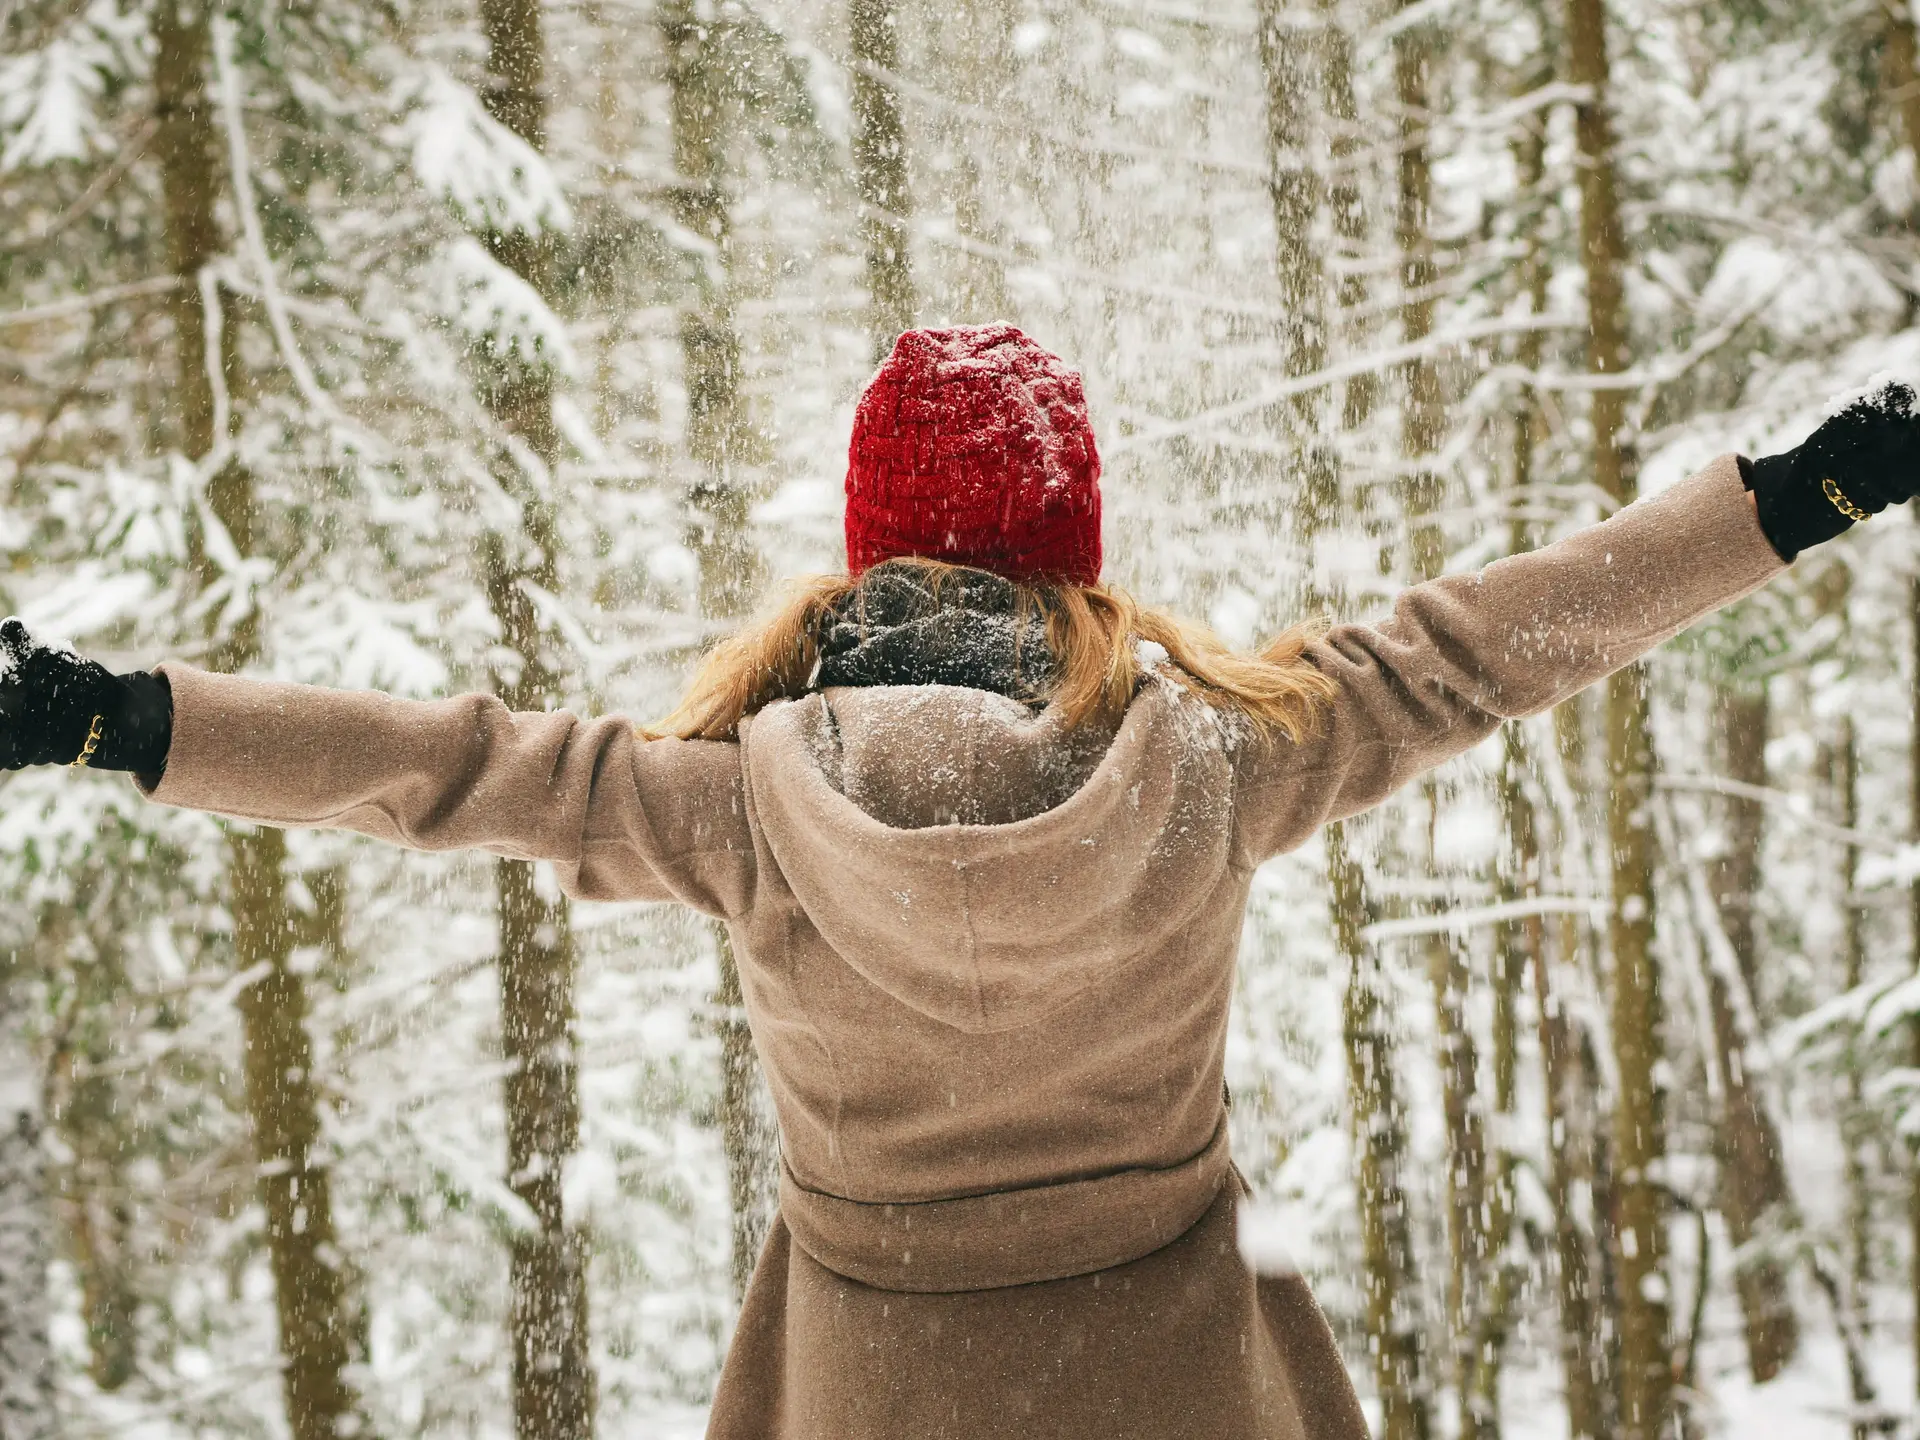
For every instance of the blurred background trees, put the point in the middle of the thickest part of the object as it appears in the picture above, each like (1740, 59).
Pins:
(512, 346)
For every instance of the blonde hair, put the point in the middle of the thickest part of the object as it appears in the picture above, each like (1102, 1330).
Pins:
(1093, 631)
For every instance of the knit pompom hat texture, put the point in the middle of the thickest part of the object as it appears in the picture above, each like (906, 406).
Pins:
(972, 445)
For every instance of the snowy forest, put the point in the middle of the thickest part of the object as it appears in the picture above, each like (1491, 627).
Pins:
(427, 347)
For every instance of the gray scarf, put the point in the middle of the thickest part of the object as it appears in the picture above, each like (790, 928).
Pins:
(900, 629)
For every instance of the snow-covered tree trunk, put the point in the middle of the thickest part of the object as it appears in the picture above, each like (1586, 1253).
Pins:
(1346, 199)
(1518, 948)
(1294, 191)
(1306, 68)
(1640, 1130)
(282, 1097)
(554, 1383)
(1753, 1185)
(1900, 70)
(971, 50)
(1423, 415)
(880, 168)
(1582, 1357)
(1416, 45)
(722, 446)
(1900, 89)
(1859, 1137)
(1582, 1364)
(1521, 947)
(1913, 943)
(26, 1364)
(1379, 1126)
(294, 1182)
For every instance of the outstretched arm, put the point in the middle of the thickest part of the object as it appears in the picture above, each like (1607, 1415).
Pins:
(1461, 654)
(621, 818)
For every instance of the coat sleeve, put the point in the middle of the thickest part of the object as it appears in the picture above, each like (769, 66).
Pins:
(1461, 654)
(620, 817)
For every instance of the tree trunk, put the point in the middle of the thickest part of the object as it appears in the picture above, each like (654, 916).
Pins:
(1832, 590)
(87, 1108)
(1913, 950)
(880, 169)
(187, 145)
(293, 1180)
(1311, 479)
(721, 443)
(26, 1360)
(1639, 1147)
(1423, 431)
(1518, 947)
(1379, 1125)
(1522, 946)
(98, 1221)
(1858, 1127)
(1293, 189)
(1900, 77)
(1753, 1182)
(971, 49)
(1345, 200)
(553, 1376)
(1583, 1364)
(1646, 1363)
(554, 1386)
(702, 103)
(282, 1098)
(1742, 725)
(1900, 80)
(749, 1137)
(1380, 1140)
(1423, 420)
(1469, 1244)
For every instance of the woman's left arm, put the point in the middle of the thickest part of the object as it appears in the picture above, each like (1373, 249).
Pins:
(1461, 654)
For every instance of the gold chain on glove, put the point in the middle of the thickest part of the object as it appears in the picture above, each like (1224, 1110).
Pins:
(1840, 502)
(95, 733)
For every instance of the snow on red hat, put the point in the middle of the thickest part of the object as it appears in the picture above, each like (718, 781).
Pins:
(972, 445)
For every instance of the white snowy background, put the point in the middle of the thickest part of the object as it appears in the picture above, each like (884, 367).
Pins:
(1096, 171)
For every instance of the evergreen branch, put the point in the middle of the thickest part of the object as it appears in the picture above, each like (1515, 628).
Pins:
(250, 227)
(1787, 804)
(1367, 364)
(92, 300)
(88, 198)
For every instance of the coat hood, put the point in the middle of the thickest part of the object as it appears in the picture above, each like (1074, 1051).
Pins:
(977, 861)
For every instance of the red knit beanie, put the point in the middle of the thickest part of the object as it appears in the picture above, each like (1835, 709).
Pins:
(972, 446)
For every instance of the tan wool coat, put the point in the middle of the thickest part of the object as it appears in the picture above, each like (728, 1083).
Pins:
(987, 965)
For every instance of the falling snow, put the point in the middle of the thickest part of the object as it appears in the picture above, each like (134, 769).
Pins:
(593, 378)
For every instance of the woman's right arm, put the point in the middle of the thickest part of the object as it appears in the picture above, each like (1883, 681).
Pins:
(620, 817)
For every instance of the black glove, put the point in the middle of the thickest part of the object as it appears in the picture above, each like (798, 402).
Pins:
(1861, 461)
(52, 701)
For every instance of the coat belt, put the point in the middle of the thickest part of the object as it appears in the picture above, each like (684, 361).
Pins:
(1005, 1237)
